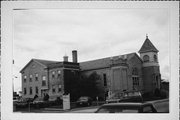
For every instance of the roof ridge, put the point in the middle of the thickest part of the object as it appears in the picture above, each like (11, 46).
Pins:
(44, 60)
(108, 57)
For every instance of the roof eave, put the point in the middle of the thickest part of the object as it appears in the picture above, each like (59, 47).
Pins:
(144, 51)
(26, 65)
(29, 63)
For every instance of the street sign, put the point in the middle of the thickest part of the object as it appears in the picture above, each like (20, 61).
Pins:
(66, 102)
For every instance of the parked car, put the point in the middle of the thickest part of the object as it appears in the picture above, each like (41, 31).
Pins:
(84, 101)
(40, 103)
(127, 108)
(23, 102)
(132, 99)
(127, 99)
(162, 106)
(55, 101)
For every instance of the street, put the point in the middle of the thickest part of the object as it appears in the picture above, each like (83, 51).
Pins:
(160, 106)
(91, 109)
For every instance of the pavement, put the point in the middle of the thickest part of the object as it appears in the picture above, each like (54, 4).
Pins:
(58, 109)
(90, 109)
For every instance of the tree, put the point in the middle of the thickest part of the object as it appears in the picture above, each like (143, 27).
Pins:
(88, 85)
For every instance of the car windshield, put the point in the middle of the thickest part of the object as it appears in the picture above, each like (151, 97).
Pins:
(83, 98)
(38, 99)
(118, 110)
(23, 100)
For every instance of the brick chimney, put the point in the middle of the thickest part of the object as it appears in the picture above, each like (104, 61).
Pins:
(74, 56)
(65, 58)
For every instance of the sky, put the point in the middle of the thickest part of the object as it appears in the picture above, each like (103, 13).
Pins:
(50, 34)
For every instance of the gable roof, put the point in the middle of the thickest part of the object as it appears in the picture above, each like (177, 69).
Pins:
(44, 63)
(148, 46)
(104, 62)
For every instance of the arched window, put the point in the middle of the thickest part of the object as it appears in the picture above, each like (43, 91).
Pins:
(135, 71)
(146, 58)
(155, 58)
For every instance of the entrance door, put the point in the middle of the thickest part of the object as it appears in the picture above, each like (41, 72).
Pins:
(43, 92)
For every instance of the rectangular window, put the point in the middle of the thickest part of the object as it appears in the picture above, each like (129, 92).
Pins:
(44, 81)
(59, 73)
(24, 91)
(30, 78)
(30, 90)
(105, 79)
(25, 77)
(36, 90)
(59, 88)
(53, 74)
(36, 77)
(53, 89)
(135, 81)
(156, 82)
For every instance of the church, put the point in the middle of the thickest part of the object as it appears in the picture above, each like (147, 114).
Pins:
(117, 75)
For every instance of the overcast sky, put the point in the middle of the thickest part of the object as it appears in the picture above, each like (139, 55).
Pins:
(49, 34)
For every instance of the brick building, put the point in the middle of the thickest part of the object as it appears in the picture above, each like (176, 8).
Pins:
(118, 74)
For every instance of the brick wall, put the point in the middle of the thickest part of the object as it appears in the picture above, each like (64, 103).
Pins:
(32, 69)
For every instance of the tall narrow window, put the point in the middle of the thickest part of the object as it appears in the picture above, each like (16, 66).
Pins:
(25, 77)
(44, 81)
(59, 88)
(30, 90)
(157, 78)
(37, 90)
(53, 74)
(53, 89)
(24, 91)
(135, 82)
(30, 78)
(155, 58)
(105, 79)
(59, 73)
(135, 78)
(36, 77)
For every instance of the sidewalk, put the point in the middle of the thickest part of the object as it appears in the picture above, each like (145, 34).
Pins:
(73, 109)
